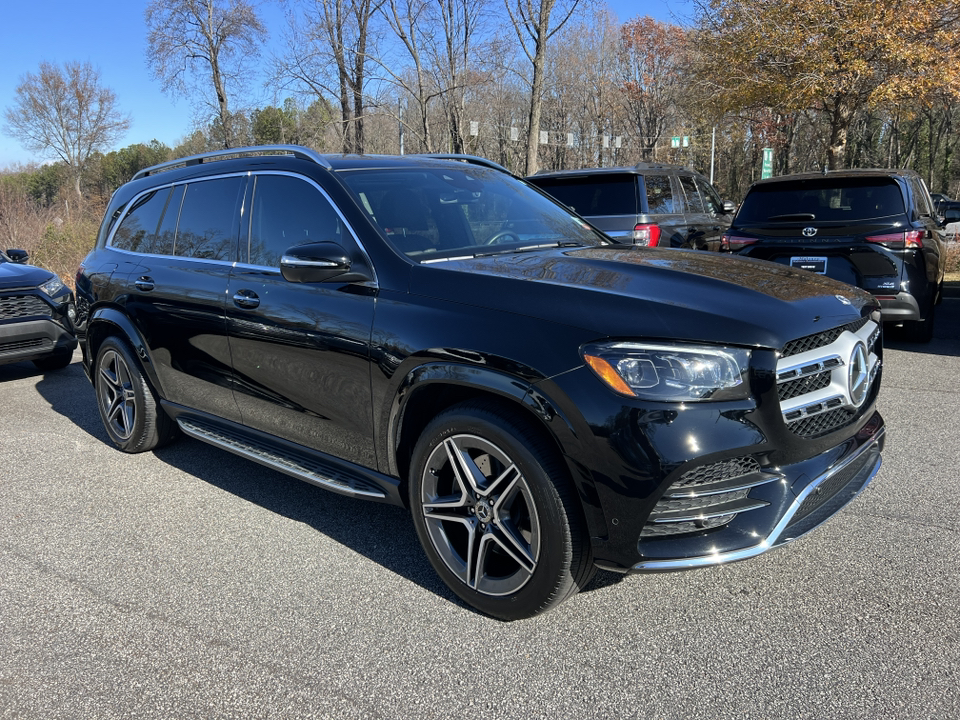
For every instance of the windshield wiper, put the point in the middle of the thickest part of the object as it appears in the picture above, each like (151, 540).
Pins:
(527, 248)
(793, 216)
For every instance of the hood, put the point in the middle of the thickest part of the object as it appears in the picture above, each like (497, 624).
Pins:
(14, 275)
(637, 292)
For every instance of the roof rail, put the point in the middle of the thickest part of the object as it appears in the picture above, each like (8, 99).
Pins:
(474, 159)
(296, 150)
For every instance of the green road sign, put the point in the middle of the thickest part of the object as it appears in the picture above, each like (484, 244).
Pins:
(767, 170)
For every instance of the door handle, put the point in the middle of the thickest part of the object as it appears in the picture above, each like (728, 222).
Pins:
(144, 283)
(246, 299)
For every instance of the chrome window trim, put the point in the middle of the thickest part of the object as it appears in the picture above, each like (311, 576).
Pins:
(156, 188)
(248, 174)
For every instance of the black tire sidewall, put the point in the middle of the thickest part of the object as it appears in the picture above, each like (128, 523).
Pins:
(552, 574)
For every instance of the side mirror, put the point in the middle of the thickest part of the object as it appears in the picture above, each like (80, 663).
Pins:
(17, 255)
(318, 262)
(729, 208)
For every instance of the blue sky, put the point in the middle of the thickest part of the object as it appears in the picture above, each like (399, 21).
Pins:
(112, 36)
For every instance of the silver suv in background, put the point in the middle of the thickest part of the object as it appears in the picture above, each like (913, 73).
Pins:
(646, 204)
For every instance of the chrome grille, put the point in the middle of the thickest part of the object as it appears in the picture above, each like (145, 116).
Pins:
(15, 307)
(824, 379)
(817, 340)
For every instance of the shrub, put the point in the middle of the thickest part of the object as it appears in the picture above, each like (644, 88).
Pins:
(953, 257)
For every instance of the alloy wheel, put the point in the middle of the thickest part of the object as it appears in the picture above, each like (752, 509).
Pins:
(480, 515)
(117, 397)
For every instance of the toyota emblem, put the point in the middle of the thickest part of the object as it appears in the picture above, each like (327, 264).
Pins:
(809, 231)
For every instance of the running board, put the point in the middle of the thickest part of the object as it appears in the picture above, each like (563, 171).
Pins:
(300, 465)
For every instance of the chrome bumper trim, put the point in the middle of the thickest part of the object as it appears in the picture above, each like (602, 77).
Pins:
(770, 541)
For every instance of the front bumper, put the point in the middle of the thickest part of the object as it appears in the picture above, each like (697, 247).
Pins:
(808, 504)
(34, 339)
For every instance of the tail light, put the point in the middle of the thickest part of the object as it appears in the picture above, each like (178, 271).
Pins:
(648, 234)
(911, 239)
(735, 243)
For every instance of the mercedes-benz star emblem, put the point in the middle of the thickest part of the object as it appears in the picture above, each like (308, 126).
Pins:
(809, 231)
(858, 374)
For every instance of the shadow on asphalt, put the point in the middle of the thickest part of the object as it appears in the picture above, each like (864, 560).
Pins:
(378, 532)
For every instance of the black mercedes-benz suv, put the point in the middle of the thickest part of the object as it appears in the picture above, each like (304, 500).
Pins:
(876, 229)
(36, 314)
(439, 334)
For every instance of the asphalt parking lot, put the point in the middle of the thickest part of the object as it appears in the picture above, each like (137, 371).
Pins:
(188, 583)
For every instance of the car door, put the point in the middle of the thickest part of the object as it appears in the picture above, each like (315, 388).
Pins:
(175, 283)
(663, 207)
(701, 225)
(714, 207)
(301, 351)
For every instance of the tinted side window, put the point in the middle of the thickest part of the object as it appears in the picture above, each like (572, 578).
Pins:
(138, 230)
(920, 196)
(659, 194)
(710, 198)
(210, 219)
(168, 226)
(599, 195)
(287, 212)
(694, 203)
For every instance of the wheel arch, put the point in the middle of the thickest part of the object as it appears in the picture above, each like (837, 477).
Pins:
(106, 322)
(430, 389)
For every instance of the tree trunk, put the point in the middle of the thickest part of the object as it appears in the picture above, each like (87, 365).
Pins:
(536, 104)
(840, 118)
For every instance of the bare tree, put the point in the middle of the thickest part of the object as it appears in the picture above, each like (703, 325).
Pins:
(408, 19)
(195, 42)
(65, 113)
(531, 21)
(328, 55)
(461, 21)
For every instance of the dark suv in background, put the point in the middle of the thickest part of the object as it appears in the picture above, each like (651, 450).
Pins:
(875, 229)
(439, 334)
(36, 314)
(647, 204)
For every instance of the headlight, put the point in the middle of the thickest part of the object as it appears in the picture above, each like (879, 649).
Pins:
(52, 287)
(682, 373)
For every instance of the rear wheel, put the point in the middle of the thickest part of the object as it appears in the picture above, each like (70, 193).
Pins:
(921, 331)
(495, 513)
(131, 415)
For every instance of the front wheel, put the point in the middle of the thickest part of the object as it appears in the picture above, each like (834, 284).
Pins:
(494, 510)
(131, 415)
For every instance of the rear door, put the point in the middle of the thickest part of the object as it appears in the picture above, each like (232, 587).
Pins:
(822, 225)
(701, 229)
(175, 278)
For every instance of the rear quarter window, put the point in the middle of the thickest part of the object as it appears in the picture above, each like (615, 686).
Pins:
(846, 200)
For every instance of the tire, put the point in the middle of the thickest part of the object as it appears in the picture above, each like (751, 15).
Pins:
(131, 415)
(494, 509)
(921, 331)
(54, 362)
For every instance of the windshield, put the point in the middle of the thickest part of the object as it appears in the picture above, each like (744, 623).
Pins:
(438, 213)
(828, 199)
